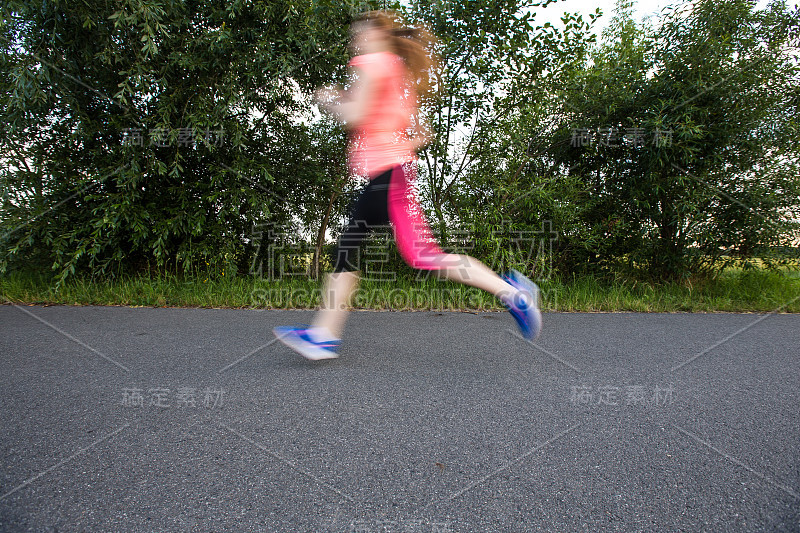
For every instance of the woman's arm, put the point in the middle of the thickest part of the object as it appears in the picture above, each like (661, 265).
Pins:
(349, 106)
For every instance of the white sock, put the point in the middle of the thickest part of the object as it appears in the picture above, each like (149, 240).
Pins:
(510, 296)
(321, 334)
(518, 298)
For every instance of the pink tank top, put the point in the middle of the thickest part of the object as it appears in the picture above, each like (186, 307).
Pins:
(381, 140)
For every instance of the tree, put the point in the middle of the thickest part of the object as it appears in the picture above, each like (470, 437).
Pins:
(485, 48)
(706, 88)
(492, 164)
(156, 131)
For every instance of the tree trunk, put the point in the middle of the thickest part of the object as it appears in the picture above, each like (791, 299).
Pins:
(323, 227)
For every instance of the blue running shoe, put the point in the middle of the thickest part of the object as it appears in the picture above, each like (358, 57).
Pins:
(525, 305)
(299, 340)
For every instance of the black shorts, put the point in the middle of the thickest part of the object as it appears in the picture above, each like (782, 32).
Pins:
(369, 212)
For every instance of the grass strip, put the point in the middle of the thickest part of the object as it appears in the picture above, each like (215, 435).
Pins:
(732, 291)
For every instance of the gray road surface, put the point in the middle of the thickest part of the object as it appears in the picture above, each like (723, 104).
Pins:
(121, 419)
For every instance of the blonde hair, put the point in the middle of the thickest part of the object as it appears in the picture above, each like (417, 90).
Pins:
(413, 44)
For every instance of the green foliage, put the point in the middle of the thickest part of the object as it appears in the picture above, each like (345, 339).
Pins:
(493, 58)
(156, 134)
(690, 163)
(715, 172)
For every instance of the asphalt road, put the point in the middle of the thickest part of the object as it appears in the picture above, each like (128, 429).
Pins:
(121, 419)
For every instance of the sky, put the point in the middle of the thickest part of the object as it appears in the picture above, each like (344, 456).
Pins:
(643, 8)
(553, 12)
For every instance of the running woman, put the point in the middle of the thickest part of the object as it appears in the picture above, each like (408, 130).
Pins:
(391, 69)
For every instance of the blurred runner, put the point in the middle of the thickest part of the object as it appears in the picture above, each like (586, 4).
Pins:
(392, 68)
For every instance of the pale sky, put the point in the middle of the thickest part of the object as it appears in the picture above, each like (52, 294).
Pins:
(643, 8)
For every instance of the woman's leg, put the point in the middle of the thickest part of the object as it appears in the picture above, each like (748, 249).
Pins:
(368, 213)
(470, 271)
(418, 248)
(336, 294)
(322, 339)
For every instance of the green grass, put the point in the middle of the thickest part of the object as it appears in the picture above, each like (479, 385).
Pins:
(733, 291)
